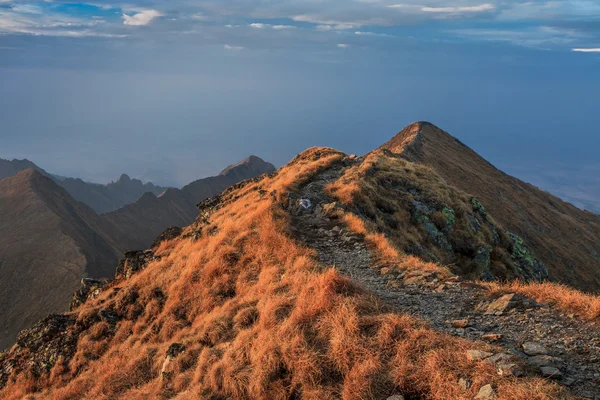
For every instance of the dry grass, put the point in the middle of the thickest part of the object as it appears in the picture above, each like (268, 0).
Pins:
(259, 319)
(386, 190)
(586, 306)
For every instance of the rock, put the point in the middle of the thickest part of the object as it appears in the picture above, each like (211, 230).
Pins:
(487, 392)
(477, 355)
(491, 337)
(500, 357)
(534, 349)
(460, 323)
(396, 397)
(133, 262)
(332, 210)
(540, 361)
(169, 234)
(464, 384)
(90, 288)
(550, 372)
(508, 369)
(504, 303)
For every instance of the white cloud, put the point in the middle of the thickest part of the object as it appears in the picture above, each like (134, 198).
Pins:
(587, 50)
(459, 10)
(343, 45)
(233, 48)
(281, 27)
(361, 33)
(257, 25)
(143, 17)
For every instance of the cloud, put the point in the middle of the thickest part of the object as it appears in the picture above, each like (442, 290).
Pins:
(233, 48)
(142, 18)
(362, 33)
(586, 50)
(343, 45)
(257, 25)
(280, 27)
(459, 10)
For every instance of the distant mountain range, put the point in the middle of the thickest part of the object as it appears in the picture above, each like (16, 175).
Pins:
(49, 240)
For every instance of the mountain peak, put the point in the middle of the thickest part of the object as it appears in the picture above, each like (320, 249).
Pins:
(124, 178)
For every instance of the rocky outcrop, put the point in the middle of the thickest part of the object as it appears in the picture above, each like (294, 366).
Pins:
(90, 288)
(133, 262)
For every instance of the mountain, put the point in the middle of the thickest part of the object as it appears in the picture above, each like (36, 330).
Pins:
(564, 237)
(110, 197)
(145, 219)
(314, 283)
(48, 243)
(101, 198)
(11, 168)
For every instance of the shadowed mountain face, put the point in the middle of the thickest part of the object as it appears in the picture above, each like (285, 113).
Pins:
(564, 237)
(145, 219)
(101, 198)
(106, 198)
(11, 168)
(49, 241)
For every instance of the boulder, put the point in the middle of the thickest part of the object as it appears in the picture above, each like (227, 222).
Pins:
(534, 349)
(509, 369)
(477, 355)
(487, 392)
(551, 372)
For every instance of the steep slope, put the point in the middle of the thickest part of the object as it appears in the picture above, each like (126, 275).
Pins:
(563, 237)
(48, 243)
(11, 168)
(101, 198)
(145, 219)
(110, 197)
(240, 307)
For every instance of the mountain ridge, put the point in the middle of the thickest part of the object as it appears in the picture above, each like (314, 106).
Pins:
(546, 222)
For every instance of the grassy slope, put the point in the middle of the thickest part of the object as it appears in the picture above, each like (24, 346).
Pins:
(562, 236)
(259, 319)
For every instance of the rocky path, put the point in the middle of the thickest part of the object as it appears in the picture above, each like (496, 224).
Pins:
(548, 342)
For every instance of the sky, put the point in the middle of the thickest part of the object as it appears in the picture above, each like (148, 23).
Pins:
(171, 91)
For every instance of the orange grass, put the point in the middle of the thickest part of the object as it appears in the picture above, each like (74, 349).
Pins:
(584, 305)
(259, 319)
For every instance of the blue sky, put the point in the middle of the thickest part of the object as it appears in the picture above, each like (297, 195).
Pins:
(171, 91)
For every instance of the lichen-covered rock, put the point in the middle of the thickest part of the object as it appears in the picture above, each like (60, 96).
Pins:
(478, 207)
(529, 266)
(482, 263)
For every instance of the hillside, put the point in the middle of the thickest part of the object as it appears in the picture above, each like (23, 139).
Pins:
(298, 285)
(109, 197)
(563, 237)
(149, 216)
(48, 243)
(101, 198)
(13, 167)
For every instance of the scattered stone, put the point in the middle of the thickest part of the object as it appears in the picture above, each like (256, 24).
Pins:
(460, 323)
(551, 372)
(477, 355)
(170, 233)
(492, 337)
(540, 361)
(487, 392)
(507, 369)
(504, 303)
(464, 384)
(534, 349)
(500, 357)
